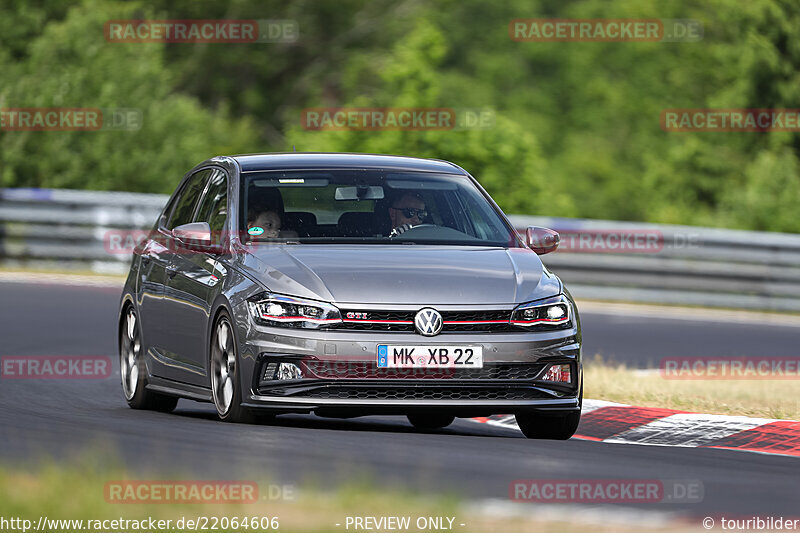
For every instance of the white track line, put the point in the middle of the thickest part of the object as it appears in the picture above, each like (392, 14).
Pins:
(79, 280)
(591, 405)
(599, 515)
(687, 430)
(508, 421)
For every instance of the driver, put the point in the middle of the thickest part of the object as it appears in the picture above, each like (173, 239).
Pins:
(407, 211)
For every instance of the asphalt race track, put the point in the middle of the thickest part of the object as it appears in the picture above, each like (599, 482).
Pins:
(65, 418)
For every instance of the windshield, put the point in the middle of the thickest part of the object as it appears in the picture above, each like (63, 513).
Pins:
(369, 206)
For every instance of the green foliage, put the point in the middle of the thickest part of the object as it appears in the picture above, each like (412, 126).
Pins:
(577, 130)
(69, 64)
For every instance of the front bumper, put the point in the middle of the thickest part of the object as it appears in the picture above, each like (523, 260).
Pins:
(375, 406)
(511, 381)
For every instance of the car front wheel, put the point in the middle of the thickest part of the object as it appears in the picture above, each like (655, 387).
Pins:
(553, 426)
(548, 426)
(133, 370)
(225, 384)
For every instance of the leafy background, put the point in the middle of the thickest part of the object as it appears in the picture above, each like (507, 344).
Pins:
(577, 128)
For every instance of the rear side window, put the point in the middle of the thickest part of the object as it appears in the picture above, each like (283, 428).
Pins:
(187, 199)
(214, 206)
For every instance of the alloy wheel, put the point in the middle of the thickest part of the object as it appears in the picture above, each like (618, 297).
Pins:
(223, 367)
(130, 355)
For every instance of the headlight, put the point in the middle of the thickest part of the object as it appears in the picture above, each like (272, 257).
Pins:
(277, 310)
(551, 312)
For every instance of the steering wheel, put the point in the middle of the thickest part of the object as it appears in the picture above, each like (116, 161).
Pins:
(394, 233)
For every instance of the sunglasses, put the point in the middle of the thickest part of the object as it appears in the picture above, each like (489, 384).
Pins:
(410, 212)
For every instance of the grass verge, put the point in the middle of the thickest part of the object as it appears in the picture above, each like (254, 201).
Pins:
(763, 398)
(75, 491)
(81, 272)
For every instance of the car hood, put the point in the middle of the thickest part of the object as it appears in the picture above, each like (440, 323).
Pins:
(402, 274)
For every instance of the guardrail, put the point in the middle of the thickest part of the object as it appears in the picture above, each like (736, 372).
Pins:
(602, 260)
(682, 265)
(67, 228)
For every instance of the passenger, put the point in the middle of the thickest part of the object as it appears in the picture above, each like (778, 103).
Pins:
(269, 221)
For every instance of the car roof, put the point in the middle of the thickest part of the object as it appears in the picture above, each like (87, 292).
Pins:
(309, 160)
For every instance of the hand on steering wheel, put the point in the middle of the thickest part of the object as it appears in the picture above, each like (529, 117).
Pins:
(404, 228)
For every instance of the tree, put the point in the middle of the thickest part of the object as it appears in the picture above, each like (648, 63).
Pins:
(69, 64)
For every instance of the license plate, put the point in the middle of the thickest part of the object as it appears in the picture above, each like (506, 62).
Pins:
(404, 356)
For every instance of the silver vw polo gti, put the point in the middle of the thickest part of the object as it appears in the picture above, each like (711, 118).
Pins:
(348, 285)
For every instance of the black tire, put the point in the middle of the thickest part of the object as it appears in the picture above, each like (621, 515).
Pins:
(133, 370)
(548, 426)
(226, 375)
(555, 426)
(430, 421)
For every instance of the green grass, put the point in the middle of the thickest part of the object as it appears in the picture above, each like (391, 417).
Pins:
(757, 398)
(75, 490)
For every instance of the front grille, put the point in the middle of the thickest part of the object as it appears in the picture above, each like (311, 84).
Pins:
(421, 393)
(369, 370)
(371, 326)
(454, 321)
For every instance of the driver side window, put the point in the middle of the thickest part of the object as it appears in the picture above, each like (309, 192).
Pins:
(187, 200)
(214, 206)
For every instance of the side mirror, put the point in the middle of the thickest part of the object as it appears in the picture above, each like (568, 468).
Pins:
(542, 240)
(196, 236)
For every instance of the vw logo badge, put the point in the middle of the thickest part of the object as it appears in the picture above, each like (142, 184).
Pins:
(428, 322)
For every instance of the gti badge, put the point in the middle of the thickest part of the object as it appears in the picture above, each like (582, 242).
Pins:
(356, 316)
(428, 322)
